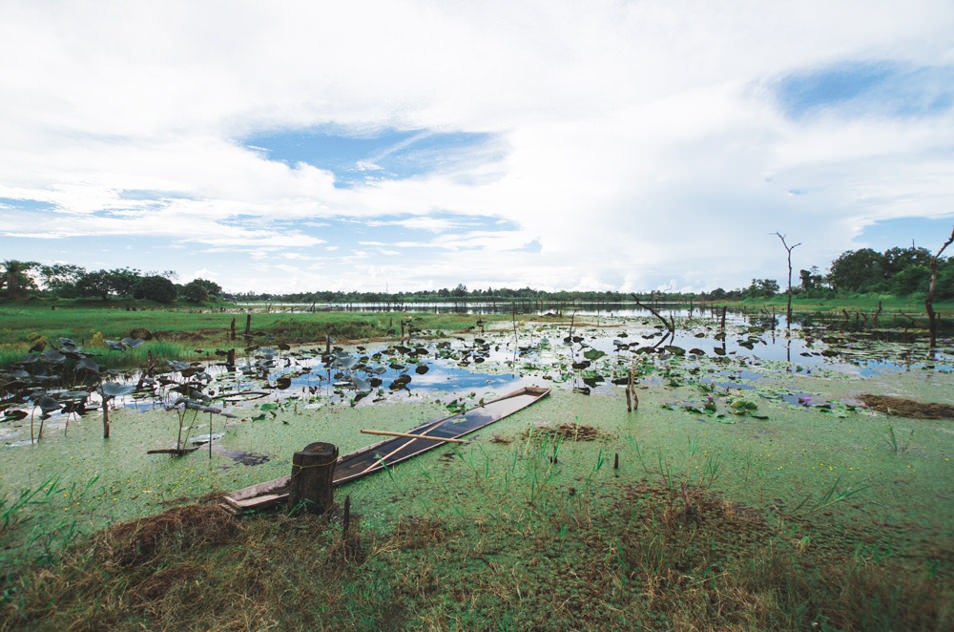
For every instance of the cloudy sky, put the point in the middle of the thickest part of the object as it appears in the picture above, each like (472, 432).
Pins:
(403, 145)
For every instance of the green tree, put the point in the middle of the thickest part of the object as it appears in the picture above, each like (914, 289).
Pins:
(858, 271)
(16, 277)
(200, 290)
(899, 259)
(61, 279)
(156, 288)
(762, 287)
(95, 283)
(124, 281)
(105, 283)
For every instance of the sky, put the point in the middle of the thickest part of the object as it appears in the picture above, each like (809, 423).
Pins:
(405, 145)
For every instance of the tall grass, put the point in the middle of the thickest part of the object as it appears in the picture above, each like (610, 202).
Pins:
(630, 557)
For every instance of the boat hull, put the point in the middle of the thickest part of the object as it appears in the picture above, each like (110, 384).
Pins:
(390, 452)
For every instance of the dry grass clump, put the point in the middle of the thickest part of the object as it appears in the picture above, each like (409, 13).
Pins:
(139, 541)
(900, 407)
(565, 431)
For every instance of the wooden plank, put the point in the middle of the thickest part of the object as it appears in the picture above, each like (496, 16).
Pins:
(268, 487)
(259, 502)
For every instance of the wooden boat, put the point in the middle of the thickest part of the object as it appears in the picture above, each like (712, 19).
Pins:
(389, 452)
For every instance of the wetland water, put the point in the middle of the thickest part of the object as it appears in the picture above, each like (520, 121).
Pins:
(591, 352)
(772, 416)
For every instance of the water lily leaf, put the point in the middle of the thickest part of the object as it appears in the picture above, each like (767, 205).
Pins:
(178, 366)
(421, 369)
(52, 356)
(48, 405)
(88, 365)
(593, 354)
(115, 389)
(344, 362)
(400, 382)
(675, 350)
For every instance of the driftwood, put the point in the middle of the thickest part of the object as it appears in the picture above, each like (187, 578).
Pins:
(670, 324)
(173, 451)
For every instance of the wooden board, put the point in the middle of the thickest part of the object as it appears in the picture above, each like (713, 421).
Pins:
(389, 452)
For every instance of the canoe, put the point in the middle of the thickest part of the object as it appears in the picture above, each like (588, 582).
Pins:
(387, 453)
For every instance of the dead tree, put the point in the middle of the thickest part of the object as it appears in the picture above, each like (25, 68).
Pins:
(789, 249)
(932, 290)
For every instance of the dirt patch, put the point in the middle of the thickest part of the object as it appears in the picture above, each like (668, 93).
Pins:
(900, 407)
(138, 541)
(566, 432)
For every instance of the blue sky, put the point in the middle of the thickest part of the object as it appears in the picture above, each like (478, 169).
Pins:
(416, 144)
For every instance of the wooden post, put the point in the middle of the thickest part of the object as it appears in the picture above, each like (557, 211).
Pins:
(232, 330)
(311, 486)
(230, 360)
(248, 325)
(105, 415)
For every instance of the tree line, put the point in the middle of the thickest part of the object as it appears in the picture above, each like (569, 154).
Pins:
(897, 271)
(25, 278)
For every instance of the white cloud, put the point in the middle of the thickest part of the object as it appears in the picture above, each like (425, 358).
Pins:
(639, 143)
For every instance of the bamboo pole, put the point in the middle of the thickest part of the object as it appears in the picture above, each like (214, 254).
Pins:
(411, 436)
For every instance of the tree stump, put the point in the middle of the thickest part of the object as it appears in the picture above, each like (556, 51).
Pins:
(312, 479)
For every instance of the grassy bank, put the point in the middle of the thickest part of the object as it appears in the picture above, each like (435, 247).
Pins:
(176, 333)
(912, 304)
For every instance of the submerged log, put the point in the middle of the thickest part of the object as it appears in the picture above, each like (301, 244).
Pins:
(312, 479)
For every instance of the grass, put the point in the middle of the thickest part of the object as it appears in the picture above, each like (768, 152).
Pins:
(620, 556)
